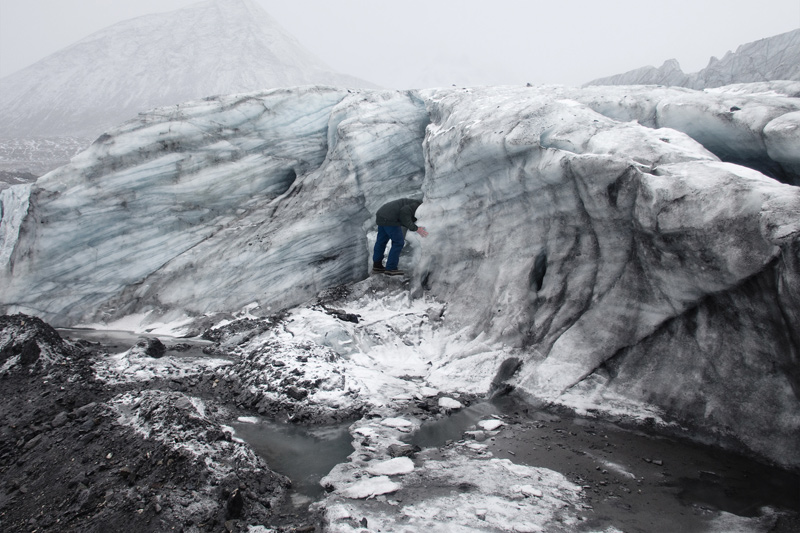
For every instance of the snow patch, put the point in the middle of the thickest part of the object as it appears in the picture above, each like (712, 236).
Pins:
(134, 365)
(467, 494)
(180, 422)
(529, 490)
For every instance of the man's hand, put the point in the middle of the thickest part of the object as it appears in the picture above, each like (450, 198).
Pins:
(422, 231)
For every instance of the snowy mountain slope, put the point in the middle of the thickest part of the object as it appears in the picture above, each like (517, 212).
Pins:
(618, 258)
(773, 58)
(38, 156)
(213, 47)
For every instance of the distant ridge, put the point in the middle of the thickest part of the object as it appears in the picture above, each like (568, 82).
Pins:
(210, 48)
(773, 58)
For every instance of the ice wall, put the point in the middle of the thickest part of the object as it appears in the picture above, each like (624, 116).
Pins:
(569, 224)
(587, 233)
(214, 205)
(13, 208)
(749, 124)
(628, 261)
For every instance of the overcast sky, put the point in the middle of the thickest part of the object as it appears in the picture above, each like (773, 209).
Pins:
(413, 43)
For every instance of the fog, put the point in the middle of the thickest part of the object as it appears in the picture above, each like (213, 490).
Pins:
(418, 43)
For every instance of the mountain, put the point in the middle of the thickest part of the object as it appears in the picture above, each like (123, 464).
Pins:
(592, 236)
(210, 48)
(29, 158)
(773, 58)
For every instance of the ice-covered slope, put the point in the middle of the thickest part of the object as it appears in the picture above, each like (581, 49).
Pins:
(773, 58)
(213, 47)
(580, 229)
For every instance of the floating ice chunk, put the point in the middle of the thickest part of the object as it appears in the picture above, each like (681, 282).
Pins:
(366, 488)
(366, 431)
(248, 419)
(449, 403)
(397, 423)
(392, 467)
(490, 425)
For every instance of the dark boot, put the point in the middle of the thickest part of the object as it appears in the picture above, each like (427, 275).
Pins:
(378, 267)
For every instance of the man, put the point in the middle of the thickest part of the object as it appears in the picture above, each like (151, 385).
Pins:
(394, 219)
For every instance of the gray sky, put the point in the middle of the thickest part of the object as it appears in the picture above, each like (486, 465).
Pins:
(413, 43)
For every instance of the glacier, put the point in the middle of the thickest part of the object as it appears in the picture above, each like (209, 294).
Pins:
(623, 243)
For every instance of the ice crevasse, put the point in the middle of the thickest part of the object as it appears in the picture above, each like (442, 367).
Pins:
(615, 236)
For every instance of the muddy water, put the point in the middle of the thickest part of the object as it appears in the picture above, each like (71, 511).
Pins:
(303, 454)
(119, 341)
(451, 428)
(634, 481)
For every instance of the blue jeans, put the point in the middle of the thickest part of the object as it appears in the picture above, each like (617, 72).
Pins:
(385, 234)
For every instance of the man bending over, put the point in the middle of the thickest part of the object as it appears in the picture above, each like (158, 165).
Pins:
(394, 219)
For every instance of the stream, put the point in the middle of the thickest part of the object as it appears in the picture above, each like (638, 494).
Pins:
(123, 340)
(632, 478)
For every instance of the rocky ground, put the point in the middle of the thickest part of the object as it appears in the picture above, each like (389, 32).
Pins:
(134, 434)
(81, 454)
